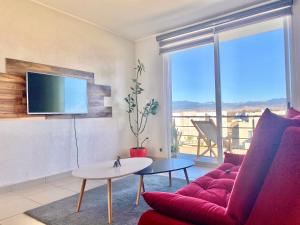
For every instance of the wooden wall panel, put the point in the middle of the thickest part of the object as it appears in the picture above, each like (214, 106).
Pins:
(19, 67)
(12, 96)
(99, 90)
(104, 112)
(13, 102)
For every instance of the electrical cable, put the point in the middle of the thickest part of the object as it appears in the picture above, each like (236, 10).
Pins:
(76, 141)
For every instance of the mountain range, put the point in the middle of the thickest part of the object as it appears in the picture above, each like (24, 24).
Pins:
(249, 105)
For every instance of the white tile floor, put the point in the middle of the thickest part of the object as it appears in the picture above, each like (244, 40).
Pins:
(14, 203)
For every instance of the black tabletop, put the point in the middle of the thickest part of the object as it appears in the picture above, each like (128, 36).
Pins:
(166, 165)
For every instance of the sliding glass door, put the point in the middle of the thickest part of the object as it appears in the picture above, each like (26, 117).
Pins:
(253, 77)
(193, 102)
(220, 90)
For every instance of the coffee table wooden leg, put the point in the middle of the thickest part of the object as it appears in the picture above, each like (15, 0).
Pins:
(186, 176)
(170, 178)
(81, 195)
(140, 186)
(109, 201)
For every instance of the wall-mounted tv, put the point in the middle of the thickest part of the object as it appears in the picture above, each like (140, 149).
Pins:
(53, 94)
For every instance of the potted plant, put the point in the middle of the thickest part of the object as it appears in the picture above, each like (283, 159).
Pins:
(138, 116)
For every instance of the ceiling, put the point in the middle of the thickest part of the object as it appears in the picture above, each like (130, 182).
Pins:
(136, 19)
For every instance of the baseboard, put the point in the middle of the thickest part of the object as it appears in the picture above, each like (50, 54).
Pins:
(58, 176)
(30, 183)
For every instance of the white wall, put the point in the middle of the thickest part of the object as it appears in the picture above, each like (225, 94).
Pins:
(153, 82)
(32, 149)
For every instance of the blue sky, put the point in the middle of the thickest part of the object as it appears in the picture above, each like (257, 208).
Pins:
(252, 69)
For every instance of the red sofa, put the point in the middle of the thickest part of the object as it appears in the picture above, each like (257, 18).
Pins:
(262, 188)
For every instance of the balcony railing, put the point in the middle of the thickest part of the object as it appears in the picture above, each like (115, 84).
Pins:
(238, 128)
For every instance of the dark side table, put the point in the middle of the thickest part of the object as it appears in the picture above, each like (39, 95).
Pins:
(163, 166)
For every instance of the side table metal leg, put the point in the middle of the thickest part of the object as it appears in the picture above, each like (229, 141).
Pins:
(143, 186)
(170, 178)
(186, 176)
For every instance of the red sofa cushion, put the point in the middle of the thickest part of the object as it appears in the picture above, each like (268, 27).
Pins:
(279, 199)
(186, 208)
(215, 186)
(235, 159)
(291, 113)
(152, 217)
(256, 164)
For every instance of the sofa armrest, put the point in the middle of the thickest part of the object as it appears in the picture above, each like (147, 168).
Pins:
(152, 217)
(188, 209)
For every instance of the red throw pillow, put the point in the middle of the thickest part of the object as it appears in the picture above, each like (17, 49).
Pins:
(291, 113)
(278, 202)
(189, 209)
(232, 158)
(256, 164)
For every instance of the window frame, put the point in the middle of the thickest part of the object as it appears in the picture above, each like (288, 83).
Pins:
(218, 89)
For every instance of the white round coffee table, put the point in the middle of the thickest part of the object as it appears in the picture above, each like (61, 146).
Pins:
(106, 171)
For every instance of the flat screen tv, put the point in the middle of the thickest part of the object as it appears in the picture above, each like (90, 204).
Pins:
(53, 94)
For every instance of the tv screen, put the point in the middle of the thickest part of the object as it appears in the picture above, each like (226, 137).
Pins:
(52, 94)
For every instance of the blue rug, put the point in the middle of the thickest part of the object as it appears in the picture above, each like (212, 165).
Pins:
(94, 204)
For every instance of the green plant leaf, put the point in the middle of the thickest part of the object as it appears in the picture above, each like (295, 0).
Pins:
(150, 107)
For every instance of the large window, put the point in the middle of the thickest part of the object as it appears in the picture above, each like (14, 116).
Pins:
(252, 65)
(251, 76)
